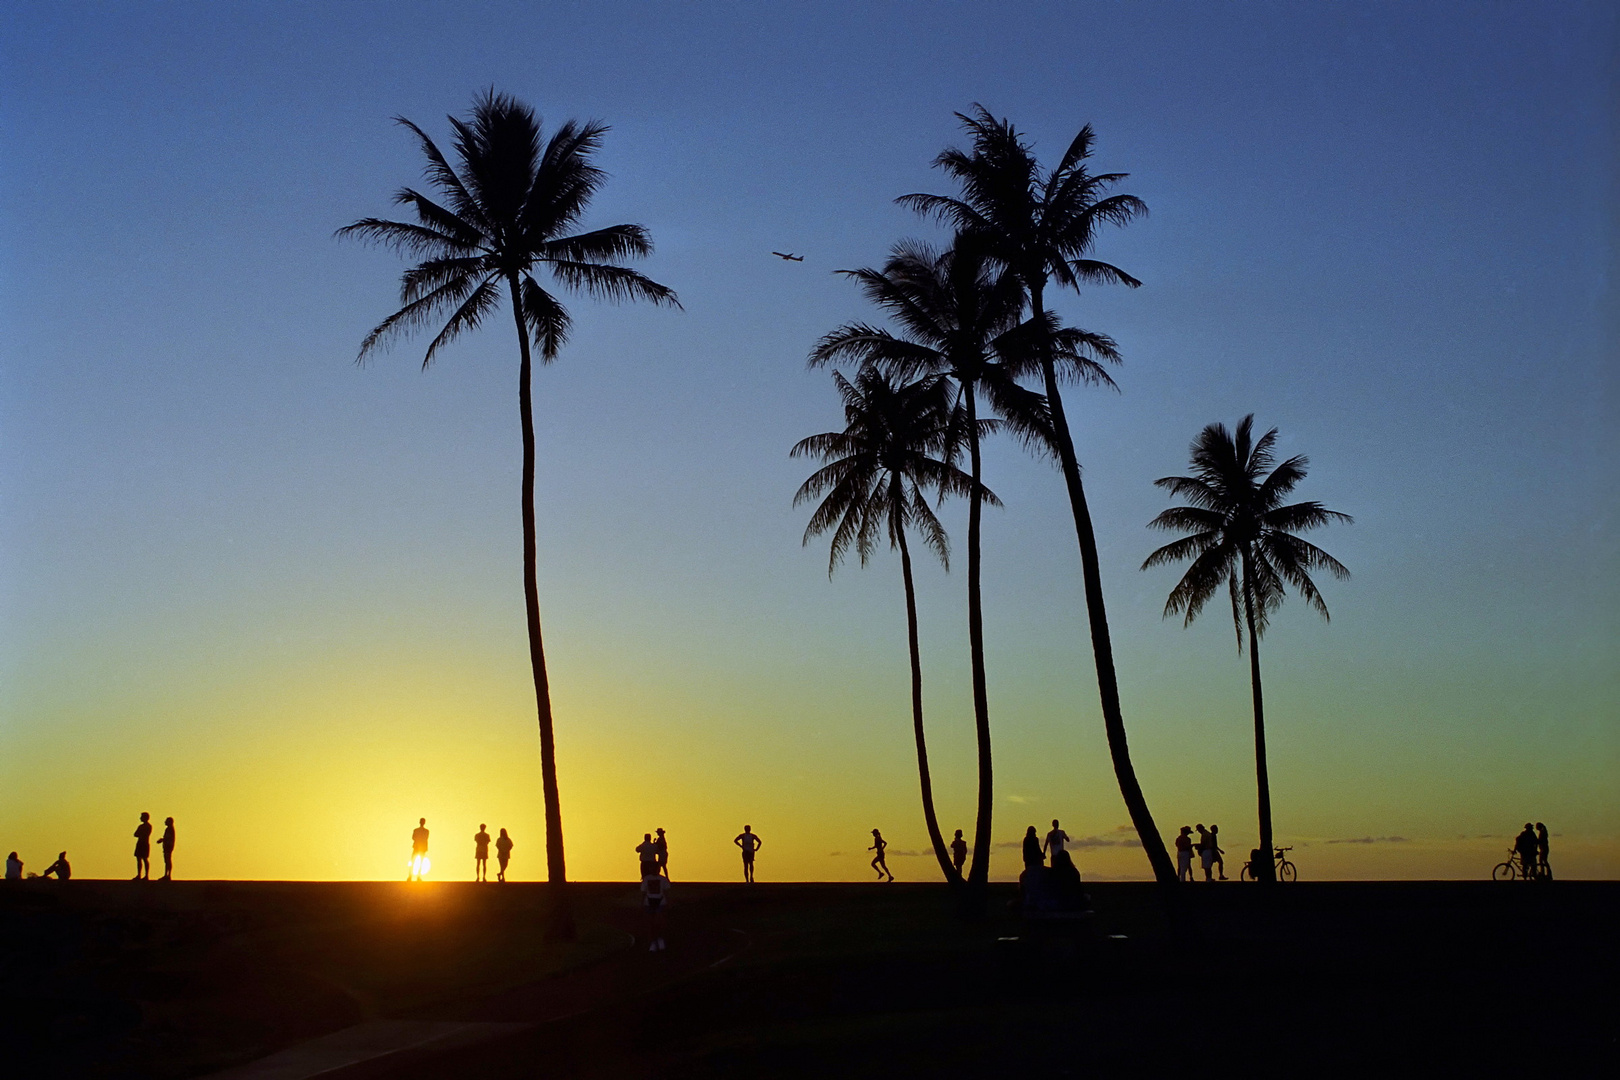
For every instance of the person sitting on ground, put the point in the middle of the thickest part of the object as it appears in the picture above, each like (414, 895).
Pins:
(1525, 845)
(1068, 893)
(481, 853)
(648, 851)
(166, 845)
(1184, 854)
(1543, 869)
(1055, 840)
(661, 845)
(59, 869)
(13, 867)
(655, 889)
(879, 863)
(503, 854)
(1032, 849)
(958, 852)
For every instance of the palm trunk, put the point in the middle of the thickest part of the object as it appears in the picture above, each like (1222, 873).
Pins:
(1102, 649)
(979, 869)
(1265, 868)
(932, 820)
(556, 871)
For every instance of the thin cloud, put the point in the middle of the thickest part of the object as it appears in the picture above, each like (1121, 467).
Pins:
(1370, 840)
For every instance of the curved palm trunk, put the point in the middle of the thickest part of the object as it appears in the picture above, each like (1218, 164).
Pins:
(1101, 645)
(934, 836)
(556, 871)
(979, 868)
(1264, 869)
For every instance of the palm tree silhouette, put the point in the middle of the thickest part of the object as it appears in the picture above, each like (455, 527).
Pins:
(1041, 225)
(958, 316)
(507, 211)
(1242, 535)
(898, 442)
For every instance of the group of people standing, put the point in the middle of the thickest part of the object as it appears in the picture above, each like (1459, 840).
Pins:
(1208, 849)
(481, 841)
(1049, 888)
(654, 856)
(143, 849)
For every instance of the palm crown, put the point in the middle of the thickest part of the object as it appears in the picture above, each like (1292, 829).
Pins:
(508, 210)
(1242, 532)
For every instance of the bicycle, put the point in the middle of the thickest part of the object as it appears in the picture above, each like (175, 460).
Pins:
(1286, 871)
(1513, 868)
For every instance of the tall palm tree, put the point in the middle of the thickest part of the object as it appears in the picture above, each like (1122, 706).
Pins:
(1041, 224)
(1242, 536)
(508, 211)
(957, 316)
(898, 443)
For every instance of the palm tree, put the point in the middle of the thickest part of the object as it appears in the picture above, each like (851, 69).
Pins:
(1242, 535)
(959, 317)
(897, 443)
(1041, 225)
(509, 210)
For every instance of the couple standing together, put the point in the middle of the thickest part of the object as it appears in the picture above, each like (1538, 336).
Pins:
(1209, 852)
(143, 849)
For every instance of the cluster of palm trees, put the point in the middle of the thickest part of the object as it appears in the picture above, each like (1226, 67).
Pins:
(970, 333)
(970, 330)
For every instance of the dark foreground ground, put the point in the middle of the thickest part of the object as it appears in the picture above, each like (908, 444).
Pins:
(817, 980)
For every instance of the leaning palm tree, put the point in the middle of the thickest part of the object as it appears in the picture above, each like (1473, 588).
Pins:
(510, 210)
(1242, 536)
(1041, 225)
(957, 316)
(898, 443)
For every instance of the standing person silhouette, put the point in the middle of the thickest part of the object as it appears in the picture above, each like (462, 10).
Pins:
(1184, 854)
(1032, 849)
(419, 844)
(1525, 845)
(166, 845)
(143, 849)
(661, 847)
(1215, 848)
(648, 852)
(1055, 840)
(958, 852)
(750, 842)
(1206, 855)
(503, 854)
(1543, 869)
(879, 863)
(481, 853)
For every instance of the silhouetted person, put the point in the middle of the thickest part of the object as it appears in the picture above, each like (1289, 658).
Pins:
(1032, 849)
(1055, 840)
(13, 867)
(1215, 847)
(59, 869)
(750, 843)
(1525, 845)
(1184, 854)
(879, 863)
(419, 844)
(481, 853)
(958, 851)
(1206, 852)
(661, 845)
(1064, 880)
(649, 854)
(143, 849)
(503, 854)
(166, 845)
(655, 888)
(1543, 869)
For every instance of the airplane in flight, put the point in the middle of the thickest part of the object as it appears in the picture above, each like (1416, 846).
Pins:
(789, 258)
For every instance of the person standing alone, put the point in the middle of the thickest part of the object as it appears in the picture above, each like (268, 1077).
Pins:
(166, 843)
(958, 852)
(750, 842)
(481, 853)
(419, 844)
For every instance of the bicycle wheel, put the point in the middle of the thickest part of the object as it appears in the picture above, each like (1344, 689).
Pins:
(1503, 872)
(1246, 874)
(1288, 872)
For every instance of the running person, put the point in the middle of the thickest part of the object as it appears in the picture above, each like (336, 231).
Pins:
(481, 853)
(750, 842)
(880, 864)
(143, 849)
(503, 854)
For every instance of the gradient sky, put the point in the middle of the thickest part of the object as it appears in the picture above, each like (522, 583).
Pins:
(278, 596)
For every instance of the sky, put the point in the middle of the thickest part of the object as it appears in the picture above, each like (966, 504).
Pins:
(250, 584)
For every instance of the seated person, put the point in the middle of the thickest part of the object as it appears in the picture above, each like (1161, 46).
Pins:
(59, 868)
(13, 867)
(1071, 895)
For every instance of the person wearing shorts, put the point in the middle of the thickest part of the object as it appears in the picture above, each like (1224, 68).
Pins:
(481, 853)
(750, 842)
(1184, 854)
(143, 849)
(655, 891)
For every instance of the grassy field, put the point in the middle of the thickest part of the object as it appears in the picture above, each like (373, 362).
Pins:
(177, 980)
